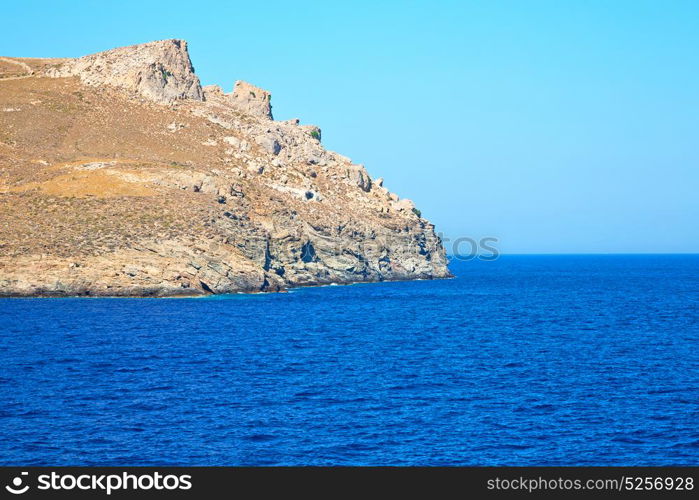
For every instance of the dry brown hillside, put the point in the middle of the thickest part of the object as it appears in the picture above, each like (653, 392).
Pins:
(120, 175)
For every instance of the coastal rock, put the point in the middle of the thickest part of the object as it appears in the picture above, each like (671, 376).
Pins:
(107, 192)
(404, 205)
(358, 175)
(269, 144)
(313, 131)
(251, 100)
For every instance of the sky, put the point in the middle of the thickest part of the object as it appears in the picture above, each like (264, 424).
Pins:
(555, 127)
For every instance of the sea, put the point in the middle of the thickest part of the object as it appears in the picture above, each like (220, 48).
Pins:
(525, 360)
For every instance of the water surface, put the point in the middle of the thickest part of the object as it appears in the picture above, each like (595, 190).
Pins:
(528, 360)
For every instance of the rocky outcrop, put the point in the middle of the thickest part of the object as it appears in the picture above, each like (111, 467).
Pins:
(251, 100)
(192, 191)
(160, 71)
(152, 268)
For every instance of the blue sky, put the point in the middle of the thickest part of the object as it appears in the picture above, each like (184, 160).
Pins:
(553, 126)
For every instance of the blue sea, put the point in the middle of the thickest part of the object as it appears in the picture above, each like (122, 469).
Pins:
(526, 360)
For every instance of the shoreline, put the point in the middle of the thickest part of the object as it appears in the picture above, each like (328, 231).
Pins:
(210, 295)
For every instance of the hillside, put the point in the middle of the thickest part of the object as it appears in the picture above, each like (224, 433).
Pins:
(121, 176)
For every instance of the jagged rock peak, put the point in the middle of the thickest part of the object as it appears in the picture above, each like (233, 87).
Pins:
(160, 71)
(251, 100)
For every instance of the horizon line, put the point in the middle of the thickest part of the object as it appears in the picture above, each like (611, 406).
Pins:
(500, 254)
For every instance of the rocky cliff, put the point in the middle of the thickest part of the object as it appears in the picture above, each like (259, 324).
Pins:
(160, 71)
(121, 176)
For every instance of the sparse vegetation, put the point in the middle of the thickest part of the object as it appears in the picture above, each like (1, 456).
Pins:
(315, 134)
(417, 212)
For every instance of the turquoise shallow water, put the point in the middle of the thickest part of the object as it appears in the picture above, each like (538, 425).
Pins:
(527, 360)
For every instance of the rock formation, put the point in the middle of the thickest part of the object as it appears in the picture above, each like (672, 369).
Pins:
(251, 100)
(160, 71)
(121, 176)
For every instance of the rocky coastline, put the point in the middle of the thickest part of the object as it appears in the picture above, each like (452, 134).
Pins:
(120, 175)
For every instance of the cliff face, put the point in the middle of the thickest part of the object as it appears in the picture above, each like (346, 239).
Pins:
(120, 175)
